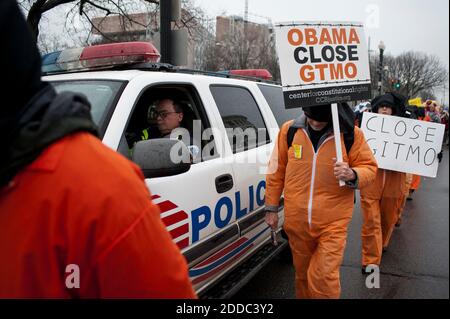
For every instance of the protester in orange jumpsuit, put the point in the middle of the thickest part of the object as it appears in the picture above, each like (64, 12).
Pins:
(403, 198)
(76, 220)
(416, 179)
(415, 184)
(381, 201)
(317, 210)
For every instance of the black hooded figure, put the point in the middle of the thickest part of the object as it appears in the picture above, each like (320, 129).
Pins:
(322, 113)
(32, 115)
(395, 101)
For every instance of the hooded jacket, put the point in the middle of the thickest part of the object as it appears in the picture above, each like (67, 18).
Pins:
(394, 100)
(76, 218)
(32, 116)
(311, 191)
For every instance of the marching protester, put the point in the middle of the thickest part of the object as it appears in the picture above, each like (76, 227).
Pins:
(381, 200)
(445, 121)
(432, 113)
(427, 113)
(317, 210)
(76, 219)
(359, 112)
(402, 200)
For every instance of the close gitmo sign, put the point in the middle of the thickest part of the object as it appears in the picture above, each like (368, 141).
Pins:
(323, 62)
(404, 145)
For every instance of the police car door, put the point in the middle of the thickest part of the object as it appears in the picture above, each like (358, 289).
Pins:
(250, 144)
(198, 206)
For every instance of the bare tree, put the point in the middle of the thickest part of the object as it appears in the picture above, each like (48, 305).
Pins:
(245, 46)
(211, 56)
(50, 43)
(414, 72)
(425, 95)
(243, 49)
(36, 8)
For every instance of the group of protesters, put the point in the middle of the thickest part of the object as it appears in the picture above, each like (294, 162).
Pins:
(429, 111)
(383, 202)
(52, 212)
(317, 210)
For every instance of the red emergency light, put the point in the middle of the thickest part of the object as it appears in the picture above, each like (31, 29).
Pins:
(119, 53)
(100, 56)
(256, 73)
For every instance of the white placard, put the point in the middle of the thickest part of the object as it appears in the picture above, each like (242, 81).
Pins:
(323, 62)
(404, 145)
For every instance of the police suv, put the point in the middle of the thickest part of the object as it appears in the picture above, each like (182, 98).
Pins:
(210, 195)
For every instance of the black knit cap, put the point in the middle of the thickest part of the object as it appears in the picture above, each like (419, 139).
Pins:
(393, 100)
(320, 113)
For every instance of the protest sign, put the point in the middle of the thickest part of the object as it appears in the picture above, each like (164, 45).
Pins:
(404, 145)
(323, 62)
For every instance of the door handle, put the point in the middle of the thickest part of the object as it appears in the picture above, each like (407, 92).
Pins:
(224, 183)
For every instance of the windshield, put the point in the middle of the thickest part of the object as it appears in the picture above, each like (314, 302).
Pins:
(101, 94)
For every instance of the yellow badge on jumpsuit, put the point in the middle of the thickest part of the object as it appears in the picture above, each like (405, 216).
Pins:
(298, 151)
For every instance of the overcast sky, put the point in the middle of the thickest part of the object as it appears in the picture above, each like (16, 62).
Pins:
(402, 25)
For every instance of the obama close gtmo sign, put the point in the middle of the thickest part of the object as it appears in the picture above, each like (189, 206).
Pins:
(404, 145)
(323, 62)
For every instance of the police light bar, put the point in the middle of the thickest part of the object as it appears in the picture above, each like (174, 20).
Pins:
(256, 73)
(100, 56)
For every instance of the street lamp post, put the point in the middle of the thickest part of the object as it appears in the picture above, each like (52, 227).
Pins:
(382, 47)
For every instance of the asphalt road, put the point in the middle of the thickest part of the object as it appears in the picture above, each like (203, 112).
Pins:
(415, 266)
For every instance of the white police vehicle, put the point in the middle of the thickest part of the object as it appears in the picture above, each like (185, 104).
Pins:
(213, 207)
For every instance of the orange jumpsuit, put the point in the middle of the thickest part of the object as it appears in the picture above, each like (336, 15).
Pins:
(406, 188)
(415, 182)
(416, 178)
(317, 210)
(381, 205)
(80, 203)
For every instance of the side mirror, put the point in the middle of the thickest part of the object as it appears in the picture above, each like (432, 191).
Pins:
(162, 157)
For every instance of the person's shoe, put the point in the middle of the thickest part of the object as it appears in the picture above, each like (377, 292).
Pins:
(364, 270)
(398, 223)
(409, 198)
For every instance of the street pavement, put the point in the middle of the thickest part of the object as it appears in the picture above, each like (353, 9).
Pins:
(415, 266)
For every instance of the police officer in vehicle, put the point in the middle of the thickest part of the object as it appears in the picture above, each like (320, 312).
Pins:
(163, 116)
(168, 114)
(168, 119)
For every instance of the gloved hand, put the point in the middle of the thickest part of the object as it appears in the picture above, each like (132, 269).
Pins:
(132, 138)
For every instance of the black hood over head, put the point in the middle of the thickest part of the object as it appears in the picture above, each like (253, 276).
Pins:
(394, 100)
(21, 62)
(346, 118)
(32, 116)
(322, 113)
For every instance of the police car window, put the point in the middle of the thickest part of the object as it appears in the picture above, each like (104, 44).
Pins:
(241, 116)
(101, 95)
(274, 97)
(143, 122)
